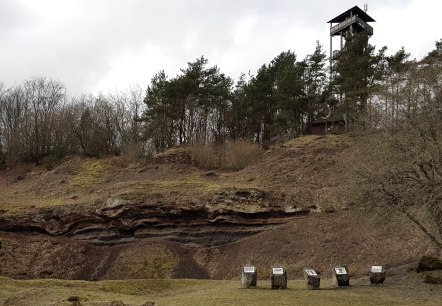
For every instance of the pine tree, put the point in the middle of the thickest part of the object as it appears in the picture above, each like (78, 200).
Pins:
(356, 72)
(315, 84)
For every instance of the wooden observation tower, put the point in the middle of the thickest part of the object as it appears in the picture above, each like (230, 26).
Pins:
(348, 23)
(345, 25)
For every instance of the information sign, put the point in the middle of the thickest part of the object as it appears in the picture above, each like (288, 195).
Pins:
(310, 272)
(340, 270)
(278, 271)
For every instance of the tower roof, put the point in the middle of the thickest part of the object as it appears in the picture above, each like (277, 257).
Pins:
(353, 11)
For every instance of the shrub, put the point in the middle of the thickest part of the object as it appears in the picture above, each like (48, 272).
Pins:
(241, 153)
(234, 155)
(21, 169)
(133, 152)
(205, 156)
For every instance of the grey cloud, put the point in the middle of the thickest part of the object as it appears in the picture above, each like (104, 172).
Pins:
(81, 49)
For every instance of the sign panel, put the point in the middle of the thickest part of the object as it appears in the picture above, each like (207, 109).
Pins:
(249, 269)
(340, 270)
(310, 272)
(376, 269)
(278, 271)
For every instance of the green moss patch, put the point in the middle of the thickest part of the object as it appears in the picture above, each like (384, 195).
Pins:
(185, 184)
(90, 173)
(145, 262)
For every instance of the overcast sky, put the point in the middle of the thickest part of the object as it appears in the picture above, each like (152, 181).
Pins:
(103, 45)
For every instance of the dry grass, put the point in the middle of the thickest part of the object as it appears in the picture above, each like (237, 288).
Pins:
(185, 184)
(177, 154)
(207, 157)
(171, 173)
(207, 293)
(21, 169)
(242, 153)
(233, 156)
(17, 205)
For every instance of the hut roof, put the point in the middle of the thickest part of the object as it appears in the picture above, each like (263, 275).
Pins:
(329, 120)
(353, 11)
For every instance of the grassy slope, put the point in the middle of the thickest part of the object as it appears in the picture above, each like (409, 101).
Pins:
(202, 292)
(304, 169)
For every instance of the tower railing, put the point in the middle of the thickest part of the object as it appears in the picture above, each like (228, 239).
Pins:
(346, 23)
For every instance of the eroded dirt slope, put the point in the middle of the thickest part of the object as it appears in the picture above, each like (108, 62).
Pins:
(164, 217)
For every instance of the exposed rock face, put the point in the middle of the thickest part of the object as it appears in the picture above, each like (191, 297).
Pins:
(92, 247)
(130, 237)
(122, 220)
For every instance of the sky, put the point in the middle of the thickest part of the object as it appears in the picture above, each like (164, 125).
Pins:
(107, 45)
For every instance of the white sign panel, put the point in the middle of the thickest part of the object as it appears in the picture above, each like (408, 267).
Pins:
(376, 269)
(249, 269)
(340, 270)
(278, 271)
(310, 272)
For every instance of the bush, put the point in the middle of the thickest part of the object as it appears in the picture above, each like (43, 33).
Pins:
(235, 155)
(206, 157)
(241, 153)
(133, 151)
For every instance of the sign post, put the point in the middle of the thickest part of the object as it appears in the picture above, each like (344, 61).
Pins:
(312, 278)
(249, 276)
(377, 274)
(279, 278)
(340, 276)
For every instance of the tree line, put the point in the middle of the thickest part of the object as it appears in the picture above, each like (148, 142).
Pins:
(201, 105)
(38, 120)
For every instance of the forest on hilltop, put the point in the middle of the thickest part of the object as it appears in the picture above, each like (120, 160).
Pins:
(201, 105)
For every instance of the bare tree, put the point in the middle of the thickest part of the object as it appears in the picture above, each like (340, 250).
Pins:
(44, 96)
(401, 166)
(15, 121)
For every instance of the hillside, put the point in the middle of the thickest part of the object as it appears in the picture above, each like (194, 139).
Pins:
(164, 217)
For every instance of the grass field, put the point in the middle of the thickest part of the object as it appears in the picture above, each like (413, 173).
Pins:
(209, 292)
